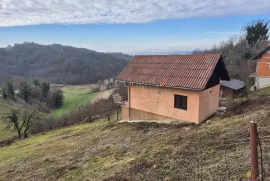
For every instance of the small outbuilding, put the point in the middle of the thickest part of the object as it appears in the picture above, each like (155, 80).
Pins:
(173, 87)
(232, 89)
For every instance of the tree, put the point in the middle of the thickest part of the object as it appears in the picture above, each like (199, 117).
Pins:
(21, 122)
(58, 98)
(45, 87)
(256, 31)
(36, 82)
(10, 89)
(25, 90)
(3, 91)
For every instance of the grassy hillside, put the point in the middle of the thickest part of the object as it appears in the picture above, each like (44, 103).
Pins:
(4, 133)
(75, 96)
(216, 150)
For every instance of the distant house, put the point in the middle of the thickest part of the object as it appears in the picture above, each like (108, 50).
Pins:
(17, 91)
(231, 89)
(173, 87)
(262, 74)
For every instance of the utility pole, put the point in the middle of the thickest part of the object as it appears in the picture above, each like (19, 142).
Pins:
(253, 150)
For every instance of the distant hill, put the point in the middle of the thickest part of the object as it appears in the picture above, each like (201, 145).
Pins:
(59, 64)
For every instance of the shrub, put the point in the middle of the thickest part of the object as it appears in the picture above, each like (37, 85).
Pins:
(95, 90)
(25, 90)
(58, 98)
(3, 91)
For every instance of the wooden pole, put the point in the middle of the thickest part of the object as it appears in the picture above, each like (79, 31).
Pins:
(253, 150)
(117, 113)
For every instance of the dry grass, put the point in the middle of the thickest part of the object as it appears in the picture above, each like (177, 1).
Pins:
(216, 150)
(5, 134)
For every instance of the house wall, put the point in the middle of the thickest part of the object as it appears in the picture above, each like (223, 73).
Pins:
(208, 102)
(263, 65)
(262, 82)
(136, 114)
(152, 103)
(161, 101)
(263, 71)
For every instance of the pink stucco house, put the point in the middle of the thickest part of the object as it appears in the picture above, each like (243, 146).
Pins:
(173, 87)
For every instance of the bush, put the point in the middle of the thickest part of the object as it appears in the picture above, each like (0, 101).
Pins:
(3, 91)
(58, 98)
(25, 90)
(84, 114)
(95, 90)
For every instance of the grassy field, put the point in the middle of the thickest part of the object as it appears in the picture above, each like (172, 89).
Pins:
(216, 150)
(4, 133)
(75, 96)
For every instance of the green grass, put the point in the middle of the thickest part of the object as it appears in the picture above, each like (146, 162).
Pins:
(75, 96)
(264, 91)
(5, 133)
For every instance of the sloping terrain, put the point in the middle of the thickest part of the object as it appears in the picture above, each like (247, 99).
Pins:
(75, 96)
(215, 150)
(58, 63)
(5, 133)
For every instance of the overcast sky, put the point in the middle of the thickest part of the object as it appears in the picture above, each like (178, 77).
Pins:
(127, 25)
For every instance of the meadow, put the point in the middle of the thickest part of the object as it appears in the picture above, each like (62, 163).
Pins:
(75, 96)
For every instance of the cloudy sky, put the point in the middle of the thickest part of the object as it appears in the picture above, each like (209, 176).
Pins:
(127, 25)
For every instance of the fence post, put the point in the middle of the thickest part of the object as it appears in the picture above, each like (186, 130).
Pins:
(253, 150)
(117, 114)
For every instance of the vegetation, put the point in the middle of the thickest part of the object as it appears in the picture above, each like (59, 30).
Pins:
(216, 150)
(45, 87)
(256, 32)
(5, 133)
(75, 96)
(10, 89)
(36, 82)
(58, 64)
(25, 90)
(21, 121)
(3, 92)
(238, 50)
(58, 98)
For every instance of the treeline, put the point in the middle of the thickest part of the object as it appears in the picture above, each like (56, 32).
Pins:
(239, 50)
(59, 64)
(38, 90)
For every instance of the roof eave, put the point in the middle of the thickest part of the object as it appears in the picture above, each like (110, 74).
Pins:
(153, 85)
(260, 54)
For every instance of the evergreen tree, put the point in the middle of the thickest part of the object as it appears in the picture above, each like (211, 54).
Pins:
(25, 90)
(45, 87)
(10, 89)
(58, 98)
(256, 32)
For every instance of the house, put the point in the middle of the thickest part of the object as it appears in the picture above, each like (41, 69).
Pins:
(262, 74)
(173, 87)
(231, 89)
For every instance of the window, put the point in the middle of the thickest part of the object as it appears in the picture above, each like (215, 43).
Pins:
(180, 102)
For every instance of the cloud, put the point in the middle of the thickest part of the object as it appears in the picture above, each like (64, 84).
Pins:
(32, 12)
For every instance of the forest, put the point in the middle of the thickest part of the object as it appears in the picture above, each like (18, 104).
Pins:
(58, 64)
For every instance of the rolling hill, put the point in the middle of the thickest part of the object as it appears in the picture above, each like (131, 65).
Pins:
(58, 63)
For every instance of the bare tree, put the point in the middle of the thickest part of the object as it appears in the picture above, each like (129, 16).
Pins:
(21, 121)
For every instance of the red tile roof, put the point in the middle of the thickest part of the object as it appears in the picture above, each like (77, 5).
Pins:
(182, 71)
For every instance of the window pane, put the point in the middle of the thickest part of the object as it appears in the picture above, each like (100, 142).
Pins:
(180, 102)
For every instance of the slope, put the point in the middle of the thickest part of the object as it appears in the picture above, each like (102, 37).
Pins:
(58, 63)
(216, 150)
